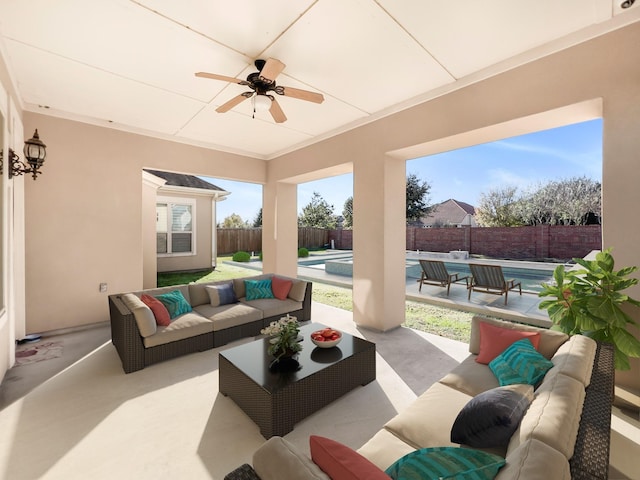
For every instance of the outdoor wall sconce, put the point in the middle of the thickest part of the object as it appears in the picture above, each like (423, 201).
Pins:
(34, 153)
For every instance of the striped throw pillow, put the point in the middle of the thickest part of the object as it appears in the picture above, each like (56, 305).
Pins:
(175, 302)
(520, 363)
(257, 289)
(446, 463)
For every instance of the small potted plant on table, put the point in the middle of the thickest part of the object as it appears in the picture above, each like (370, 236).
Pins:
(284, 341)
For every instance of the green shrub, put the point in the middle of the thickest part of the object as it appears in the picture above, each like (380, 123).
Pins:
(303, 252)
(241, 257)
(260, 256)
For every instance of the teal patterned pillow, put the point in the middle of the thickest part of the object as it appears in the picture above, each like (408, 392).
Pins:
(175, 302)
(520, 363)
(257, 289)
(446, 463)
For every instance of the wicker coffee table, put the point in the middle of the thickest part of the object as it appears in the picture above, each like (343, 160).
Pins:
(276, 401)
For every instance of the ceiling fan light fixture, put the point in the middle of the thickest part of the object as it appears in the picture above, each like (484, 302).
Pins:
(261, 103)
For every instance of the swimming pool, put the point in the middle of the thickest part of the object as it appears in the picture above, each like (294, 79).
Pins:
(530, 274)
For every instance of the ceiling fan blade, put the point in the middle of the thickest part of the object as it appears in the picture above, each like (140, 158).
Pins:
(225, 107)
(224, 78)
(271, 70)
(276, 112)
(301, 94)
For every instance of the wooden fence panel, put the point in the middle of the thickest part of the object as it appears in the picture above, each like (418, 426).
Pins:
(232, 240)
(310, 237)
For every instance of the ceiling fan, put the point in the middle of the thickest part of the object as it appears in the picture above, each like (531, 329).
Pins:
(262, 83)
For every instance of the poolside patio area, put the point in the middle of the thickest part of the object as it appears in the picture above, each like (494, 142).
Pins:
(519, 307)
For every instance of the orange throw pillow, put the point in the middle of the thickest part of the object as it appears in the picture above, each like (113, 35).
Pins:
(494, 340)
(159, 310)
(280, 287)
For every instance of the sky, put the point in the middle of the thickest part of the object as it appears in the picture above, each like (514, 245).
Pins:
(465, 174)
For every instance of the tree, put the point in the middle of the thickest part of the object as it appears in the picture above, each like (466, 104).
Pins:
(317, 213)
(347, 213)
(572, 201)
(257, 222)
(233, 221)
(498, 208)
(417, 198)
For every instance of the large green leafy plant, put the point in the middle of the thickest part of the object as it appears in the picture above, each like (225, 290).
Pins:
(588, 301)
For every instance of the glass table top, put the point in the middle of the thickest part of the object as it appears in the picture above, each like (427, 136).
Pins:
(254, 361)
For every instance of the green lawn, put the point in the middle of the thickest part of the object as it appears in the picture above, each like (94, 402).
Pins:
(445, 322)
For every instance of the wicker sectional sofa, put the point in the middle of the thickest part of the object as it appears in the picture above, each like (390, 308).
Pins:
(563, 433)
(140, 342)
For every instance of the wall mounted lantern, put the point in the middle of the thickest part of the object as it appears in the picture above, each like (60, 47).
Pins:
(34, 153)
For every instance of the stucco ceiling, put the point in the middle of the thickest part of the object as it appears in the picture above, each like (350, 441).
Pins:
(130, 64)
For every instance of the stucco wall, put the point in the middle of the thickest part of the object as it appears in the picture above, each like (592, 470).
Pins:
(84, 215)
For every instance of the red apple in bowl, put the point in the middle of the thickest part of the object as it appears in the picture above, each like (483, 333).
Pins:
(326, 338)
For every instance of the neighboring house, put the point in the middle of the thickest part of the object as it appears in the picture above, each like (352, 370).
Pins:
(185, 221)
(451, 213)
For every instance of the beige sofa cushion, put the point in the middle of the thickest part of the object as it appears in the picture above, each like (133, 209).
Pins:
(272, 306)
(554, 415)
(231, 315)
(534, 460)
(384, 448)
(550, 340)
(428, 420)
(471, 377)
(298, 289)
(142, 313)
(278, 459)
(198, 292)
(185, 326)
(575, 358)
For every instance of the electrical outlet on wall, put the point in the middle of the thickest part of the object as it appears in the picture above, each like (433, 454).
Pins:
(103, 287)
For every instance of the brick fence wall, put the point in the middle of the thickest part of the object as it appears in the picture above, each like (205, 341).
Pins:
(542, 241)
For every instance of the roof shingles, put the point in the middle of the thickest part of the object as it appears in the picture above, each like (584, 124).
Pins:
(183, 180)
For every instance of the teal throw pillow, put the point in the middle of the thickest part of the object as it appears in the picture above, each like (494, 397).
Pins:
(257, 289)
(175, 302)
(520, 362)
(446, 463)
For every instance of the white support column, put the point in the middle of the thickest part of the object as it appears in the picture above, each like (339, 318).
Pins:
(280, 228)
(150, 186)
(214, 231)
(379, 241)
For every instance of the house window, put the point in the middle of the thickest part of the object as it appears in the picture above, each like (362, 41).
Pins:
(174, 227)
